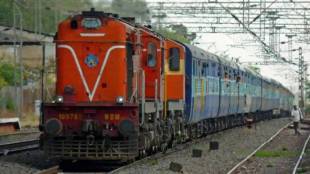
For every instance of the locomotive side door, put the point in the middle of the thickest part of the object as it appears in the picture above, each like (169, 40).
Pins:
(151, 63)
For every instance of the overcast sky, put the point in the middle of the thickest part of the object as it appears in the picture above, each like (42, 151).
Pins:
(230, 44)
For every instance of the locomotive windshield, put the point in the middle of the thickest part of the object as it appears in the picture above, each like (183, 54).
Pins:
(91, 23)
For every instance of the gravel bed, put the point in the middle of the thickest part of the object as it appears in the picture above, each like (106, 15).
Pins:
(278, 156)
(25, 163)
(234, 145)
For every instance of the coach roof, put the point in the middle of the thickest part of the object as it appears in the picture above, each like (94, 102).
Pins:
(201, 54)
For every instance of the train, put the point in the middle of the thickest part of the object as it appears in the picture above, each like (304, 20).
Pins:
(124, 91)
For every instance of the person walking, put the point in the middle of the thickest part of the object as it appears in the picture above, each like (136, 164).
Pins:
(297, 116)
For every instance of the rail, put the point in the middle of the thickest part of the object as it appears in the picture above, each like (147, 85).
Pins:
(19, 133)
(18, 146)
(52, 170)
(257, 149)
(301, 156)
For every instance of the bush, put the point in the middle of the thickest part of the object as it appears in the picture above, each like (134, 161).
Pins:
(7, 73)
(10, 105)
(3, 83)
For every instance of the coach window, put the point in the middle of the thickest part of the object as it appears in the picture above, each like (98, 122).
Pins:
(151, 55)
(204, 69)
(226, 76)
(199, 69)
(238, 77)
(174, 59)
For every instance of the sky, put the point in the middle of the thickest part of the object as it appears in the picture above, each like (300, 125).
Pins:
(244, 47)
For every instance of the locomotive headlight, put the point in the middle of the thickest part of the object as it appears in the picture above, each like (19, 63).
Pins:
(120, 100)
(59, 99)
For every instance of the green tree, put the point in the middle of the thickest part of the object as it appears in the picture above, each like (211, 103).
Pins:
(307, 89)
(6, 12)
(182, 30)
(50, 14)
(173, 35)
(2, 82)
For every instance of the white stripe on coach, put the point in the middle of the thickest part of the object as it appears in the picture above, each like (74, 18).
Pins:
(107, 56)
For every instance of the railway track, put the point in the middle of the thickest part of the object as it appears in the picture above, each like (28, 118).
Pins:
(298, 163)
(257, 149)
(156, 156)
(250, 163)
(18, 146)
(19, 133)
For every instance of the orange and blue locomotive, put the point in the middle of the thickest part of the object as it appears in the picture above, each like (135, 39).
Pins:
(125, 91)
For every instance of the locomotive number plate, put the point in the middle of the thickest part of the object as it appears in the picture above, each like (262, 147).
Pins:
(112, 117)
(69, 116)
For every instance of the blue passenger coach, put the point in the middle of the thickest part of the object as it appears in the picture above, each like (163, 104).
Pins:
(203, 85)
(218, 89)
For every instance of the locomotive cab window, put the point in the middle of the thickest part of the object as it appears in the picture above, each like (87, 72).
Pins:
(174, 59)
(151, 55)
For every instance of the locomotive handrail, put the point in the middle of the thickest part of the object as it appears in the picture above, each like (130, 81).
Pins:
(135, 92)
(143, 99)
(156, 97)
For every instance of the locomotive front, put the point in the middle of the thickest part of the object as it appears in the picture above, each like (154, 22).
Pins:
(93, 116)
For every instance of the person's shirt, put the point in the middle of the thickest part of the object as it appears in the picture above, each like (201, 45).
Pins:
(296, 114)
(301, 114)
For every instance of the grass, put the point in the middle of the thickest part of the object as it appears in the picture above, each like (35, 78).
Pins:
(307, 151)
(153, 162)
(301, 170)
(273, 154)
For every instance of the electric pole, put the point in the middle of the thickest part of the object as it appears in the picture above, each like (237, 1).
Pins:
(301, 78)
